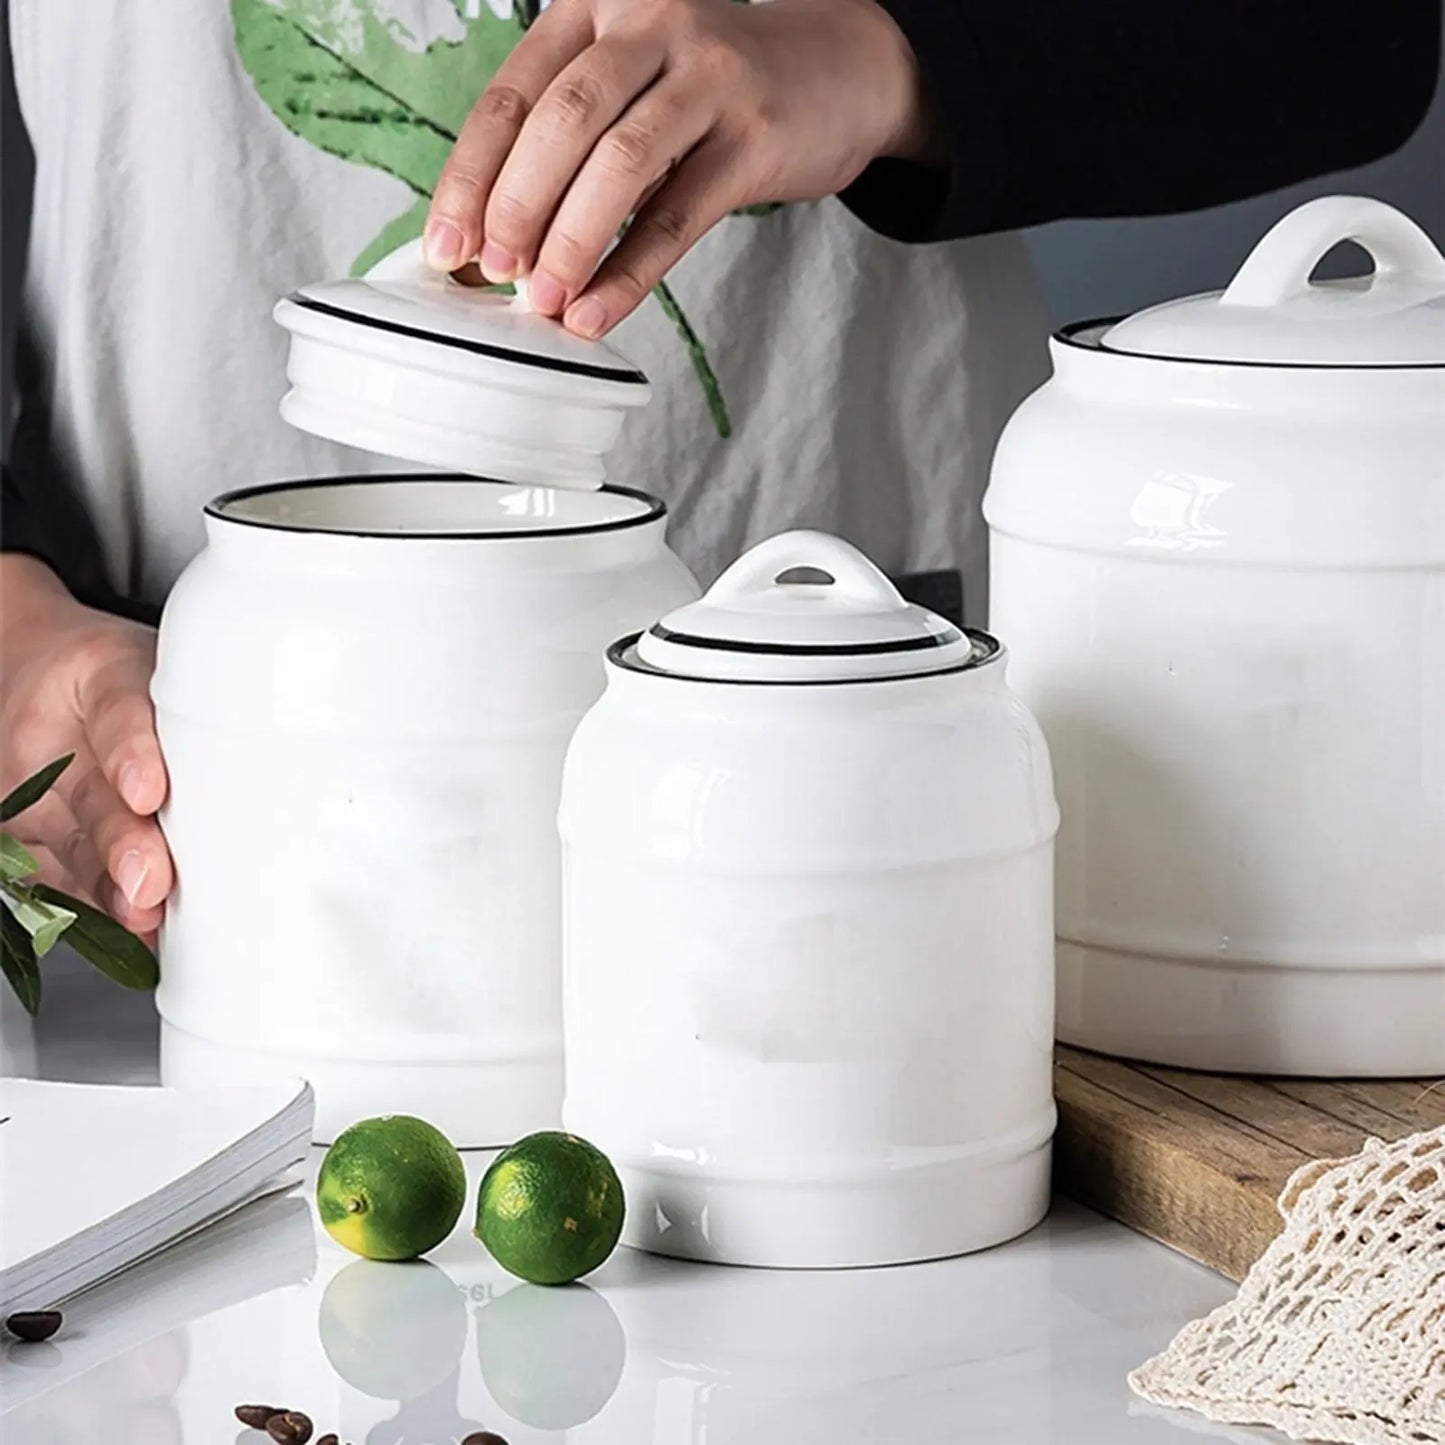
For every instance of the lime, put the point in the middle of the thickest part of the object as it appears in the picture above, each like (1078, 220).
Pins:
(550, 1208)
(391, 1188)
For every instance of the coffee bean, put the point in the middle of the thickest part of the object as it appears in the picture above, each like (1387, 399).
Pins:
(329, 1439)
(289, 1428)
(256, 1415)
(34, 1325)
(483, 1437)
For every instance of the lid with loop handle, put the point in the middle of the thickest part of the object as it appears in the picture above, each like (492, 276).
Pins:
(409, 362)
(1272, 313)
(803, 607)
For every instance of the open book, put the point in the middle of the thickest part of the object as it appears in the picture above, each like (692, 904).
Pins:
(96, 1178)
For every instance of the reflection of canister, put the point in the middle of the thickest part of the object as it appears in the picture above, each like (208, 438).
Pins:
(963, 1349)
(808, 925)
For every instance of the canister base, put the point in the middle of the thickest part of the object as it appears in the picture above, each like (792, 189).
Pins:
(798, 1224)
(476, 1105)
(1253, 1018)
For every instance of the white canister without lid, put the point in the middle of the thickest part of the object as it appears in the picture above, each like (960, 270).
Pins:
(364, 693)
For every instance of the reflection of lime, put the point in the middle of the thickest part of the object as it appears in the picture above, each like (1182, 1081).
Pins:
(391, 1188)
(550, 1208)
(393, 1331)
(551, 1358)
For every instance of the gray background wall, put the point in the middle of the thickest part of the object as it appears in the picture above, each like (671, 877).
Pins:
(1104, 268)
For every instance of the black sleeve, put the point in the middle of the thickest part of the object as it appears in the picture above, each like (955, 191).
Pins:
(1054, 109)
(21, 528)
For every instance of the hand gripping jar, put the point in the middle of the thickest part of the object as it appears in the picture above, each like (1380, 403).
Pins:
(808, 960)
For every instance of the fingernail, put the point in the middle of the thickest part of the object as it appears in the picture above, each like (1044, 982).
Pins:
(548, 294)
(130, 875)
(497, 264)
(131, 784)
(586, 316)
(443, 245)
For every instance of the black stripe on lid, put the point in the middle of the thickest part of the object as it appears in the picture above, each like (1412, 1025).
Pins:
(923, 643)
(630, 375)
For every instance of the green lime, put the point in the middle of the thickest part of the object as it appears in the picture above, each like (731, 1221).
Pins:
(550, 1208)
(391, 1188)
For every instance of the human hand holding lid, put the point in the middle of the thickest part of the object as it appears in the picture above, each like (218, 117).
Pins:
(673, 113)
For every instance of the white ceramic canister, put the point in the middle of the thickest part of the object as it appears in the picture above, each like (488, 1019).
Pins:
(1218, 554)
(808, 872)
(364, 694)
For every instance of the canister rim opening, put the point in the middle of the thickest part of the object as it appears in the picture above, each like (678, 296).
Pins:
(569, 516)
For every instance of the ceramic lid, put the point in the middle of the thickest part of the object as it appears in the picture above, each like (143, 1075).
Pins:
(802, 607)
(1272, 313)
(408, 362)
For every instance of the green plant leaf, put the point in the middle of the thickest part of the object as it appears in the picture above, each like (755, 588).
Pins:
(43, 922)
(397, 232)
(101, 941)
(326, 100)
(16, 861)
(33, 789)
(17, 957)
(707, 378)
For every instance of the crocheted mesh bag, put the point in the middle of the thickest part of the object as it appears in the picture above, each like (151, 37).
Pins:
(1338, 1332)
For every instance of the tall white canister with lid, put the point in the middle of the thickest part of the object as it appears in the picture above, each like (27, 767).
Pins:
(1218, 554)
(808, 881)
(365, 690)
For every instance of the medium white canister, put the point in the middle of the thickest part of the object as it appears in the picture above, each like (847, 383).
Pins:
(1218, 555)
(808, 882)
(364, 693)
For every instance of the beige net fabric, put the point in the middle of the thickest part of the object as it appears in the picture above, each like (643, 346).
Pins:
(1338, 1332)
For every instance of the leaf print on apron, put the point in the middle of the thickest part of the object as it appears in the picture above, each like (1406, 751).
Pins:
(347, 81)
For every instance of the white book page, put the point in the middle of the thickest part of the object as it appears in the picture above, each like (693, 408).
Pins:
(75, 1155)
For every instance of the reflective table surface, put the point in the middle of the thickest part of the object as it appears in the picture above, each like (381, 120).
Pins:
(1021, 1345)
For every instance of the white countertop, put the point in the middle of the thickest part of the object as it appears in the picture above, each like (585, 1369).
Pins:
(1027, 1344)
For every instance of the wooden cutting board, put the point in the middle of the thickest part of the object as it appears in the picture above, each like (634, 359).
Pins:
(1197, 1161)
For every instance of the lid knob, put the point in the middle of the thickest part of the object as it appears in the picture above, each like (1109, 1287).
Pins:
(1273, 314)
(759, 623)
(1280, 265)
(844, 565)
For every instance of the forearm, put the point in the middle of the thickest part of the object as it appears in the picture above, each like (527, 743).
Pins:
(1050, 109)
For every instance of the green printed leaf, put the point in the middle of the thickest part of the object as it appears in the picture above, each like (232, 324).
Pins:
(17, 958)
(16, 861)
(326, 100)
(763, 208)
(707, 378)
(437, 83)
(397, 232)
(101, 941)
(33, 788)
